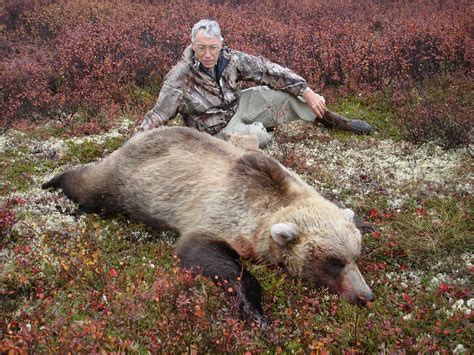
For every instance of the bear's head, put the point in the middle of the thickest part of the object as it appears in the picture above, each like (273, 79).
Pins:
(323, 245)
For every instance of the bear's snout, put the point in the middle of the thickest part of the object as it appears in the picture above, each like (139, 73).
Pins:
(365, 298)
(354, 288)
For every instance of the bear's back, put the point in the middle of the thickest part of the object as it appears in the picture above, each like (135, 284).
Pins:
(188, 178)
(179, 140)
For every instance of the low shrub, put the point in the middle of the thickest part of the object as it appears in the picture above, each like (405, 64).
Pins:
(438, 109)
(61, 57)
(24, 89)
(7, 220)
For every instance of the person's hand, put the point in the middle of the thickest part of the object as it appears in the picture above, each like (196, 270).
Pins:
(316, 102)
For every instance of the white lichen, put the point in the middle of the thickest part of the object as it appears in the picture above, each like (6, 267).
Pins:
(396, 170)
(459, 349)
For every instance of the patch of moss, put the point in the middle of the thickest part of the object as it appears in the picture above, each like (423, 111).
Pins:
(18, 173)
(113, 144)
(424, 233)
(377, 111)
(49, 130)
(87, 152)
(142, 96)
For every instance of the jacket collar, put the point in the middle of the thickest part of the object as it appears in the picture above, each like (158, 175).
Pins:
(188, 57)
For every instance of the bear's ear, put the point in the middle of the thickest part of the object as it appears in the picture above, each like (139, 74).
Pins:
(284, 233)
(348, 214)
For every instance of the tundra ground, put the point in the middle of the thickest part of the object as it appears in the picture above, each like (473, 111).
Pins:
(71, 281)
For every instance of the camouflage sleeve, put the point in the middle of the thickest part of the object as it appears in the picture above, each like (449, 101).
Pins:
(264, 72)
(166, 106)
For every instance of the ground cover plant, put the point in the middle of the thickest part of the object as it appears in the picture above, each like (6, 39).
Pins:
(75, 78)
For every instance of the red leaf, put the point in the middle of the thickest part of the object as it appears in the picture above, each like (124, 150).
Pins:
(408, 299)
(373, 213)
(444, 288)
(112, 272)
(375, 234)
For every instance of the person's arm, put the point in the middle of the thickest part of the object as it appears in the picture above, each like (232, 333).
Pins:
(277, 77)
(166, 106)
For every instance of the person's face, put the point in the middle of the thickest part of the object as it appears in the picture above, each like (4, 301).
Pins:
(206, 49)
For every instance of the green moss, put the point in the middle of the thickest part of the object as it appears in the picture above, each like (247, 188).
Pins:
(377, 111)
(441, 87)
(47, 131)
(425, 235)
(18, 172)
(440, 228)
(85, 152)
(142, 96)
(88, 151)
(113, 144)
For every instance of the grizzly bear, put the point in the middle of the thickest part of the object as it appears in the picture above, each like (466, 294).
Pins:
(227, 204)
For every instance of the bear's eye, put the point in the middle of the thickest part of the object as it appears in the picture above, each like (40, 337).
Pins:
(334, 266)
(337, 263)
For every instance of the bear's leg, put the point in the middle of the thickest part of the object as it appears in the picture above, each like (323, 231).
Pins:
(55, 182)
(216, 259)
(80, 190)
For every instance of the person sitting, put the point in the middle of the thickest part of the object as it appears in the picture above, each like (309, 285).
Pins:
(205, 89)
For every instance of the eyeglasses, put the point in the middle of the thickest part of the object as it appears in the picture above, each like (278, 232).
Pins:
(212, 49)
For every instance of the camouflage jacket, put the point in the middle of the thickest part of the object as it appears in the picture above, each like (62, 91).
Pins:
(208, 101)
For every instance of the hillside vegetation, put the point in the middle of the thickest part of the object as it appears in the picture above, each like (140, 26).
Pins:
(77, 76)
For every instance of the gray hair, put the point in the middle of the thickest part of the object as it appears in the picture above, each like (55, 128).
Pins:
(211, 29)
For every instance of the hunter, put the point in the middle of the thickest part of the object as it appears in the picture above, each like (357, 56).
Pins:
(205, 88)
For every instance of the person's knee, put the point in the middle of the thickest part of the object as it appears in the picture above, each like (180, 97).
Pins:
(263, 136)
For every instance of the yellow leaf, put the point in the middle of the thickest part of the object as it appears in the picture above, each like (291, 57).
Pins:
(64, 265)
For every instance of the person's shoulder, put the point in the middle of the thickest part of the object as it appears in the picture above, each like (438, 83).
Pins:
(181, 68)
(234, 55)
(230, 52)
(176, 75)
(179, 71)
(241, 55)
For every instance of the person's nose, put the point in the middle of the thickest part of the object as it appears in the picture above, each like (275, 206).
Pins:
(208, 54)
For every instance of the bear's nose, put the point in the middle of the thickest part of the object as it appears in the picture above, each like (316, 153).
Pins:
(364, 298)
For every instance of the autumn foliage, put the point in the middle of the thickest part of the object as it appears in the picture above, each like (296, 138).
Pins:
(59, 58)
